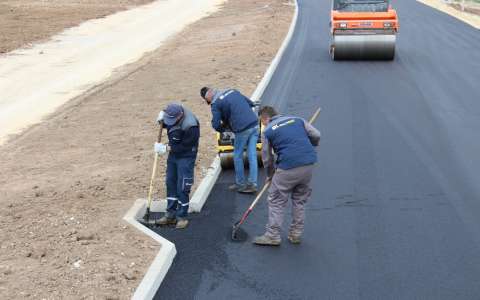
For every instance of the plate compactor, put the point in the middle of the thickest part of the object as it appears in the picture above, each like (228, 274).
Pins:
(363, 29)
(226, 140)
(225, 150)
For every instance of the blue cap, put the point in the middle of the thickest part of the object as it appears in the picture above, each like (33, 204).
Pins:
(172, 112)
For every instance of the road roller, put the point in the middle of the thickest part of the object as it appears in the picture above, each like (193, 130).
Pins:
(363, 29)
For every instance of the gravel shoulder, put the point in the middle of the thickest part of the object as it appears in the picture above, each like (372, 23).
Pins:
(66, 183)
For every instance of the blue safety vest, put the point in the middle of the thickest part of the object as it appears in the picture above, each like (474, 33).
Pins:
(290, 141)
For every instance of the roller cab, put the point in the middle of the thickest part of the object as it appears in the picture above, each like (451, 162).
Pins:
(362, 29)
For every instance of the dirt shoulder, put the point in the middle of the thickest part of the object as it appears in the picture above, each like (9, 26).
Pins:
(471, 15)
(471, 7)
(66, 183)
(24, 22)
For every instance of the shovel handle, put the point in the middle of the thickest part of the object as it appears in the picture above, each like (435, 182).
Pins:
(159, 139)
(154, 171)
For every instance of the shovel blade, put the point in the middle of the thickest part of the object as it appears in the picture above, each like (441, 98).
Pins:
(238, 234)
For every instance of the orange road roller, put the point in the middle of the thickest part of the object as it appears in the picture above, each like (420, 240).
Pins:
(363, 29)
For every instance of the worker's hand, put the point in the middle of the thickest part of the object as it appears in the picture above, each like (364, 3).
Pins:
(160, 148)
(160, 116)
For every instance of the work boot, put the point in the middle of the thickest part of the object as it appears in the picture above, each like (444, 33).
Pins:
(236, 187)
(182, 223)
(265, 240)
(248, 189)
(166, 221)
(294, 239)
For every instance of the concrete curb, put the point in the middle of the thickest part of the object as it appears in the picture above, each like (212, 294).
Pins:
(273, 65)
(162, 262)
(203, 190)
(468, 18)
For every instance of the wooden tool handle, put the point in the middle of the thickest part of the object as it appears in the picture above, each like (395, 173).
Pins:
(154, 171)
(159, 139)
(265, 187)
(315, 115)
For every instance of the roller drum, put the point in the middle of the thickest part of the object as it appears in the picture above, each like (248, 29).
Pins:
(358, 47)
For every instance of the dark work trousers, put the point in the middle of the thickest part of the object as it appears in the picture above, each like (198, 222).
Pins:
(179, 184)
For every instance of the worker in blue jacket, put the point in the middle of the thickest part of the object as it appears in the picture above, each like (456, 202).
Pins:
(232, 109)
(183, 135)
(292, 141)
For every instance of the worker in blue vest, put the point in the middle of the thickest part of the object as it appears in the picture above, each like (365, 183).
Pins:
(183, 136)
(293, 141)
(232, 109)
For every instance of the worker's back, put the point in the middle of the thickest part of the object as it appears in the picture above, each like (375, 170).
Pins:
(290, 141)
(236, 109)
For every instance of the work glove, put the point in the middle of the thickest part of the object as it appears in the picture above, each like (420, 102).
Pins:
(160, 117)
(160, 148)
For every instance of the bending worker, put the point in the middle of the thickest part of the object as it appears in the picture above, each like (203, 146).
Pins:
(232, 109)
(292, 140)
(183, 135)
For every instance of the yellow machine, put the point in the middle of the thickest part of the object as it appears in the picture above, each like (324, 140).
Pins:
(225, 149)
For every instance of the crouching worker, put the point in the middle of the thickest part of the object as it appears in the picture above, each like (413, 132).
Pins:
(183, 134)
(292, 140)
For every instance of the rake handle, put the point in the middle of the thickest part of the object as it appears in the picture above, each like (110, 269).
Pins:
(315, 115)
(249, 210)
(267, 184)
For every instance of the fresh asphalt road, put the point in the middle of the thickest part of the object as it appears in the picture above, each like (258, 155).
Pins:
(395, 209)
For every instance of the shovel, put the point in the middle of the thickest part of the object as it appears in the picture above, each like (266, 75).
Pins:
(146, 217)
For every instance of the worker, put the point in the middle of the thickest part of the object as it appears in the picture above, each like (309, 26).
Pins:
(292, 140)
(183, 130)
(231, 109)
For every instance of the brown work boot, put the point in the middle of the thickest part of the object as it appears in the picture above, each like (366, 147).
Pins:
(265, 240)
(166, 221)
(248, 189)
(182, 224)
(294, 239)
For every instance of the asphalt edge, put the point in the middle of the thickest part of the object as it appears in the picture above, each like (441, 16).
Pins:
(465, 17)
(164, 258)
(273, 65)
(203, 190)
(162, 261)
